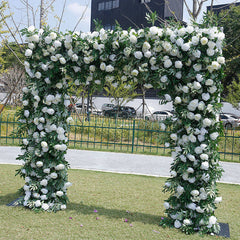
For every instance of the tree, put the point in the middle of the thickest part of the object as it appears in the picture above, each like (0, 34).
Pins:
(233, 96)
(121, 92)
(229, 20)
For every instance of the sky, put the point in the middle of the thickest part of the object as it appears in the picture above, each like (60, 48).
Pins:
(73, 12)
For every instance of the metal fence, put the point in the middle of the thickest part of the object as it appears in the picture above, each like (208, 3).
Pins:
(120, 135)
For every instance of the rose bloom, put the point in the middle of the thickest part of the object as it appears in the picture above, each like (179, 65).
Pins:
(204, 41)
(204, 166)
(62, 60)
(214, 135)
(197, 67)
(197, 53)
(178, 64)
(212, 220)
(173, 136)
(195, 193)
(221, 60)
(39, 163)
(177, 224)
(59, 193)
(186, 222)
(44, 182)
(138, 54)
(167, 97)
(53, 175)
(207, 122)
(28, 53)
(193, 105)
(205, 96)
(133, 39)
(166, 205)
(167, 63)
(109, 68)
(177, 100)
(134, 72)
(209, 82)
(185, 47)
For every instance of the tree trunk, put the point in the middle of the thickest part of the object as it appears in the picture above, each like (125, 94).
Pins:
(194, 12)
(143, 101)
(41, 13)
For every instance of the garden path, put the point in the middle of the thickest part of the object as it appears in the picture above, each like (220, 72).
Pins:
(121, 163)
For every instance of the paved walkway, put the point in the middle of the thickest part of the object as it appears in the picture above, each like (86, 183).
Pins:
(121, 163)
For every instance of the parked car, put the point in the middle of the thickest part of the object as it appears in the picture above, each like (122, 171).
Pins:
(107, 106)
(159, 115)
(93, 110)
(229, 120)
(120, 111)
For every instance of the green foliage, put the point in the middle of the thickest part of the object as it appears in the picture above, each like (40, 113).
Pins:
(229, 20)
(121, 92)
(151, 17)
(233, 96)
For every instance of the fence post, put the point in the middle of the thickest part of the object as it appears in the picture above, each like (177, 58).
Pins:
(133, 135)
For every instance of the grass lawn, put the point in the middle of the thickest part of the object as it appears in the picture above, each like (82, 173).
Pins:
(99, 204)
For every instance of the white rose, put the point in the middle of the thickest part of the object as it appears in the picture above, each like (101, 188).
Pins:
(195, 40)
(39, 163)
(194, 193)
(196, 85)
(197, 117)
(60, 167)
(134, 72)
(204, 41)
(205, 96)
(59, 85)
(214, 136)
(201, 106)
(190, 115)
(207, 122)
(190, 170)
(185, 47)
(28, 53)
(177, 100)
(167, 63)
(215, 65)
(45, 206)
(196, 53)
(63, 207)
(44, 182)
(210, 52)
(138, 54)
(204, 166)
(199, 77)
(185, 89)
(57, 44)
(173, 136)
(212, 89)
(177, 224)
(133, 39)
(173, 173)
(26, 113)
(46, 170)
(50, 111)
(209, 82)
(199, 210)
(164, 79)
(62, 60)
(204, 156)
(53, 175)
(197, 67)
(178, 64)
(147, 54)
(92, 68)
(44, 144)
(59, 193)
(53, 35)
(109, 68)
(193, 105)
(218, 200)
(212, 220)
(167, 97)
(186, 222)
(192, 138)
(38, 203)
(166, 205)
(48, 40)
(221, 60)
(191, 157)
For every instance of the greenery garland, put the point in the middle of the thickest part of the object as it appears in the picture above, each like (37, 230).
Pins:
(184, 63)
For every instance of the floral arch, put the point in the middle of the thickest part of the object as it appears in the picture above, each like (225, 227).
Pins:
(184, 63)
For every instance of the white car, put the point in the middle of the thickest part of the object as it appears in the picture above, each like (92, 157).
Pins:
(107, 106)
(159, 115)
(229, 120)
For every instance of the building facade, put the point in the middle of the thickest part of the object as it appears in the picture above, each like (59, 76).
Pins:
(132, 13)
(218, 8)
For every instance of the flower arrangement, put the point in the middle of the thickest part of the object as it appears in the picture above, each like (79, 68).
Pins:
(184, 63)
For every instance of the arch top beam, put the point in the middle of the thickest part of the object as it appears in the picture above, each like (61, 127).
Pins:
(184, 63)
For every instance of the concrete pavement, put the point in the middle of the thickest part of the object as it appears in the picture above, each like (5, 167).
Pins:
(121, 163)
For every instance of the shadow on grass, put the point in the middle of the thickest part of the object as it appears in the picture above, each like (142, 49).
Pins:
(4, 200)
(114, 213)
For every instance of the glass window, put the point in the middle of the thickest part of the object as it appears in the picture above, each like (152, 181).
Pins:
(115, 4)
(108, 5)
(101, 6)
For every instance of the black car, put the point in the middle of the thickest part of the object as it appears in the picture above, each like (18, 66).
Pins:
(120, 111)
